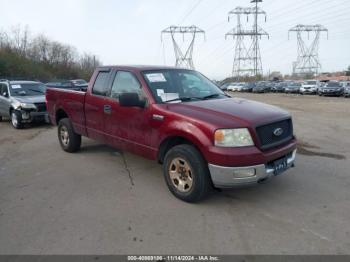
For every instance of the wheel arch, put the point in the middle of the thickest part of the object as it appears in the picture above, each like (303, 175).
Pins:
(174, 140)
(60, 114)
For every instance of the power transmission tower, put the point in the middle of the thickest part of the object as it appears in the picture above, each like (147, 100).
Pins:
(183, 59)
(247, 61)
(308, 61)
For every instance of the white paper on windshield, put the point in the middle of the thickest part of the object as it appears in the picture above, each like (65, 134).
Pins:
(156, 77)
(16, 86)
(169, 96)
(160, 92)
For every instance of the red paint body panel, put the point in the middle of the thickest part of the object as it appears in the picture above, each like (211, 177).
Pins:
(136, 130)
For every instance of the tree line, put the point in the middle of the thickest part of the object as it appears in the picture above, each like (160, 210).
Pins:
(23, 56)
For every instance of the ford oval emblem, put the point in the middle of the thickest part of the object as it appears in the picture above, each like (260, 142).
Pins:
(278, 131)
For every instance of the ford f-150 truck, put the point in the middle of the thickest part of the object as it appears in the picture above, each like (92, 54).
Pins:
(203, 138)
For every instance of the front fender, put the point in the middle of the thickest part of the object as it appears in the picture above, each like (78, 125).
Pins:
(189, 131)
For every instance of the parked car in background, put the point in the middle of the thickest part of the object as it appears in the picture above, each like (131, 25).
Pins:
(80, 83)
(310, 87)
(248, 87)
(23, 102)
(202, 137)
(322, 84)
(347, 90)
(235, 87)
(293, 87)
(332, 88)
(224, 86)
(278, 87)
(262, 87)
(77, 85)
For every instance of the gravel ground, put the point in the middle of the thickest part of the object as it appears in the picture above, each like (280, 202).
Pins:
(101, 201)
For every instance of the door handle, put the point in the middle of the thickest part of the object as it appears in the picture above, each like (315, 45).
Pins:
(107, 109)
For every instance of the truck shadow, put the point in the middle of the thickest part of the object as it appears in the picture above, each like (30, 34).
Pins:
(89, 148)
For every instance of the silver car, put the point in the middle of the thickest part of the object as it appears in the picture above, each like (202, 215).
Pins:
(347, 90)
(23, 102)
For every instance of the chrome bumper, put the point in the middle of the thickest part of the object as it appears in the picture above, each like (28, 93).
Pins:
(226, 177)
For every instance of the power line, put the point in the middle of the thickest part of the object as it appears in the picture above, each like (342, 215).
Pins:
(190, 11)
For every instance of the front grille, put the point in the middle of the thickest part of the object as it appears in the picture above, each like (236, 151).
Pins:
(41, 107)
(267, 137)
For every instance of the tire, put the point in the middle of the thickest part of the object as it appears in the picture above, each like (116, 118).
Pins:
(69, 140)
(0, 118)
(196, 183)
(16, 119)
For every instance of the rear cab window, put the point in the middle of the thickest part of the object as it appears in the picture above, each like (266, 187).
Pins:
(101, 86)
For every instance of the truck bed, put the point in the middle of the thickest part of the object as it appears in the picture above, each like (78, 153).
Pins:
(73, 104)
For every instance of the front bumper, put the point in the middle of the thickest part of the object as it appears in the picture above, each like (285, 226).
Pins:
(226, 177)
(308, 91)
(31, 116)
(332, 92)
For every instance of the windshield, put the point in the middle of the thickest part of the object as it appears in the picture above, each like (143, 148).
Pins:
(181, 85)
(27, 89)
(311, 82)
(333, 84)
(294, 85)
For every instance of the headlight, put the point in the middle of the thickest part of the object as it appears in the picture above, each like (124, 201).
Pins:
(27, 106)
(239, 137)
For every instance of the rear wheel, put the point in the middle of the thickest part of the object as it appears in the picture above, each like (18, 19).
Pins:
(0, 118)
(186, 173)
(69, 140)
(16, 119)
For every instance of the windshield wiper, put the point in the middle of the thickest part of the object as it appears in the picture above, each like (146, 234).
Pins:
(213, 96)
(182, 99)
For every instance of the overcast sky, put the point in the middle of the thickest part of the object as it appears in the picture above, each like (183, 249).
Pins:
(128, 32)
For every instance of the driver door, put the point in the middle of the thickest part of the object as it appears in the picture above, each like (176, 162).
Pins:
(128, 128)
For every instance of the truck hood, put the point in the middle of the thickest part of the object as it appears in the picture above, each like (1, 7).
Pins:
(230, 112)
(29, 99)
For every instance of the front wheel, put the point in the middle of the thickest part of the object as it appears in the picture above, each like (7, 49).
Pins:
(186, 173)
(16, 119)
(69, 140)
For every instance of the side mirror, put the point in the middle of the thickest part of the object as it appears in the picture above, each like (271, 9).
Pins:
(131, 100)
(5, 94)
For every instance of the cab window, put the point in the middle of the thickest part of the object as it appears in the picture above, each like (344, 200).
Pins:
(125, 82)
(101, 87)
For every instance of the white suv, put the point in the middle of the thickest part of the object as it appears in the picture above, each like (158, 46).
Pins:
(310, 87)
(235, 87)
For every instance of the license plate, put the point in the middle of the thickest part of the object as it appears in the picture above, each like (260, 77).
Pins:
(280, 166)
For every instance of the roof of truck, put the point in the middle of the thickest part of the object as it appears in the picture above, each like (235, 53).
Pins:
(140, 67)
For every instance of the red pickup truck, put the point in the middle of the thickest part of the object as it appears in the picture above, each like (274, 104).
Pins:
(203, 138)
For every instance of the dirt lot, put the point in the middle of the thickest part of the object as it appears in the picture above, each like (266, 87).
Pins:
(94, 202)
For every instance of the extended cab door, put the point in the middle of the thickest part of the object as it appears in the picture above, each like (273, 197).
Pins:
(128, 128)
(96, 106)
